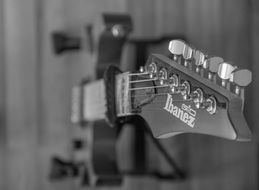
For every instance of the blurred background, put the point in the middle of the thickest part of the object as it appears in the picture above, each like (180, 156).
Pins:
(35, 86)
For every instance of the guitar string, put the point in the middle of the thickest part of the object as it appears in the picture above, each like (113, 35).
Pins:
(137, 74)
(147, 87)
(143, 88)
(139, 95)
(143, 80)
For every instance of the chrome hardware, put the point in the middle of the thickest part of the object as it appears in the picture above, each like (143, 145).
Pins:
(212, 64)
(196, 96)
(241, 78)
(173, 82)
(199, 59)
(224, 72)
(152, 70)
(187, 55)
(210, 105)
(162, 75)
(142, 69)
(176, 47)
(187, 88)
(184, 88)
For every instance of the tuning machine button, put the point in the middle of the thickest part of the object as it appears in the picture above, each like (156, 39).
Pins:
(187, 55)
(162, 76)
(240, 78)
(152, 70)
(212, 65)
(224, 72)
(176, 47)
(199, 58)
(210, 104)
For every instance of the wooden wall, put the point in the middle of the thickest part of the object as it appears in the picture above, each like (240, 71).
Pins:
(35, 86)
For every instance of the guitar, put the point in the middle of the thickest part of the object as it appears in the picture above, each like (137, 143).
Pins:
(188, 93)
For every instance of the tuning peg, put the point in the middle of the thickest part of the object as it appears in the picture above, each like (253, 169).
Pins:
(184, 89)
(212, 64)
(199, 58)
(173, 82)
(240, 78)
(152, 70)
(142, 69)
(197, 96)
(162, 76)
(187, 55)
(210, 104)
(176, 47)
(224, 72)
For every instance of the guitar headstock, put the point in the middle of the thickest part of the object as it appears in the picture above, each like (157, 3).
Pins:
(191, 93)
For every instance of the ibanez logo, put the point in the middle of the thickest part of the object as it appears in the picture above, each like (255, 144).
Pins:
(186, 114)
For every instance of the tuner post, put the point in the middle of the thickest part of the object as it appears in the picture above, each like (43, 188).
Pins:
(199, 59)
(212, 65)
(184, 89)
(142, 69)
(187, 55)
(240, 79)
(173, 82)
(152, 70)
(225, 72)
(210, 105)
(196, 96)
(162, 76)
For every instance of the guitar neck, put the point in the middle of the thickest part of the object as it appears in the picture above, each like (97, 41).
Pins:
(94, 98)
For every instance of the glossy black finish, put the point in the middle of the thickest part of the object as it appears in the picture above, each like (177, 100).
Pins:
(228, 122)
